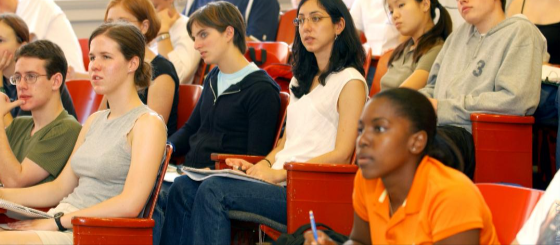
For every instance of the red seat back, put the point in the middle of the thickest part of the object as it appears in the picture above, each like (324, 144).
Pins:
(85, 51)
(367, 62)
(85, 100)
(286, 28)
(276, 52)
(188, 97)
(503, 149)
(151, 203)
(380, 72)
(510, 206)
(282, 74)
(284, 101)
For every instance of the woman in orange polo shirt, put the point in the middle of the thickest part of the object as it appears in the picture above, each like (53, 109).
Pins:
(402, 194)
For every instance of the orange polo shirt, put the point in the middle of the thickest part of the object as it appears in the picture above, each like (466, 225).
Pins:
(442, 202)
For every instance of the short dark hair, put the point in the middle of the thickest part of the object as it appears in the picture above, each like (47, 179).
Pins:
(131, 43)
(55, 61)
(219, 15)
(18, 26)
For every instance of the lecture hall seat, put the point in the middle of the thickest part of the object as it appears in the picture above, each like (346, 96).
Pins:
(510, 206)
(85, 100)
(286, 28)
(266, 53)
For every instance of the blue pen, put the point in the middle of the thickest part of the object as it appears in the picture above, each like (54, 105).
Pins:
(313, 227)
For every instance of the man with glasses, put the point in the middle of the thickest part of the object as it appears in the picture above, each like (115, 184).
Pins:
(35, 149)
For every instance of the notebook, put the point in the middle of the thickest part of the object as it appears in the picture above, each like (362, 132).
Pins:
(202, 174)
(17, 211)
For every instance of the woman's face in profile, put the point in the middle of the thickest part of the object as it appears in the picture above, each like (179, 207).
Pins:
(384, 139)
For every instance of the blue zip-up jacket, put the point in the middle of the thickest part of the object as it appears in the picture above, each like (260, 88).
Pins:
(242, 120)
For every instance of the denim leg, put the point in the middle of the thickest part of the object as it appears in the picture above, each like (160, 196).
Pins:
(178, 211)
(558, 132)
(216, 196)
(159, 211)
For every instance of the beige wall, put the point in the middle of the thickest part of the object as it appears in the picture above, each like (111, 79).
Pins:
(86, 15)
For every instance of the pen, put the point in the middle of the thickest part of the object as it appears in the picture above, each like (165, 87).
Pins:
(313, 227)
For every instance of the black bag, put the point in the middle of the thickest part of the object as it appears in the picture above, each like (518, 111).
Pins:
(297, 237)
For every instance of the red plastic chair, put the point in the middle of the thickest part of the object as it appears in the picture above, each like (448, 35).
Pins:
(284, 101)
(188, 97)
(90, 230)
(275, 52)
(382, 65)
(324, 188)
(511, 206)
(85, 51)
(286, 28)
(282, 74)
(503, 148)
(85, 100)
(367, 62)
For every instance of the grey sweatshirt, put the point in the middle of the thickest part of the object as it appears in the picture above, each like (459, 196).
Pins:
(498, 73)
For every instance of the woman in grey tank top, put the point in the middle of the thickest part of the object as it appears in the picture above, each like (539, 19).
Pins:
(115, 161)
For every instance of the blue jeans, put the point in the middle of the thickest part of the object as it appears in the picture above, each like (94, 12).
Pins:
(197, 212)
(547, 113)
(159, 211)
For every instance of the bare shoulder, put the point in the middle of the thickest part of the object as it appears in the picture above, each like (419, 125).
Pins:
(149, 121)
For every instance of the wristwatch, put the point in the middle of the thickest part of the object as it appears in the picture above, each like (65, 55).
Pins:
(163, 36)
(57, 217)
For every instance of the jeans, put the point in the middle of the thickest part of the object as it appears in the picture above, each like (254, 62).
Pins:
(159, 211)
(547, 113)
(197, 212)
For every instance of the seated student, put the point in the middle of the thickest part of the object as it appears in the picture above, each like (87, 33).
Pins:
(163, 93)
(411, 61)
(544, 222)
(35, 149)
(490, 64)
(14, 33)
(238, 109)
(403, 194)
(261, 16)
(173, 41)
(544, 13)
(328, 93)
(113, 147)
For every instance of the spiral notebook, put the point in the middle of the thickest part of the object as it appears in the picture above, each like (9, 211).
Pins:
(17, 211)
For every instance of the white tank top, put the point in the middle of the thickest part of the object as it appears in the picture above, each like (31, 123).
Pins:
(312, 120)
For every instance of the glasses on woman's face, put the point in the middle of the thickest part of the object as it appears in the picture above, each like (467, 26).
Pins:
(314, 19)
(30, 78)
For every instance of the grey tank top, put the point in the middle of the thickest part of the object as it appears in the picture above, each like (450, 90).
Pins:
(103, 160)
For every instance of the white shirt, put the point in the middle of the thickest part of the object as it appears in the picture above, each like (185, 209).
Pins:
(548, 202)
(371, 18)
(47, 21)
(312, 121)
(183, 56)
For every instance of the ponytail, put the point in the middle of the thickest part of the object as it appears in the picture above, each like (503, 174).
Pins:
(143, 75)
(435, 36)
(444, 150)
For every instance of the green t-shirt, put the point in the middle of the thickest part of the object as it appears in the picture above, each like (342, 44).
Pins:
(50, 147)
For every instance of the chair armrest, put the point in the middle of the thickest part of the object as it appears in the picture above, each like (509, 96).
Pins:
(494, 118)
(112, 222)
(321, 167)
(220, 159)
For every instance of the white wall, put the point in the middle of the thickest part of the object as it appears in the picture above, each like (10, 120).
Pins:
(86, 15)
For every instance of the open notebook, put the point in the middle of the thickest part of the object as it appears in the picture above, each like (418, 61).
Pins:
(202, 174)
(17, 211)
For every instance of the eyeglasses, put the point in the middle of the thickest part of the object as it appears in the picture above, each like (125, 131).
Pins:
(314, 20)
(30, 78)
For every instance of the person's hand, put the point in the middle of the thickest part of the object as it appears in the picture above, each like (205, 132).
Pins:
(71, 73)
(262, 170)
(322, 238)
(167, 18)
(434, 103)
(6, 106)
(239, 164)
(6, 59)
(36, 225)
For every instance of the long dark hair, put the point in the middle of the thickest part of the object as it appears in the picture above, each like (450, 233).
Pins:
(414, 106)
(433, 37)
(347, 50)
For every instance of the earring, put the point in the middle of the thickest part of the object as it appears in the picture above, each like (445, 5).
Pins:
(335, 36)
